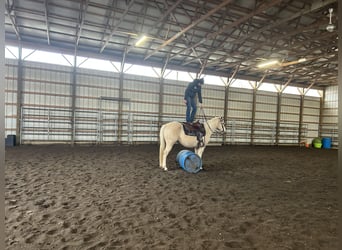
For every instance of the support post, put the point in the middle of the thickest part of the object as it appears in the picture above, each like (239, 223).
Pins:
(161, 101)
(225, 110)
(278, 117)
(226, 98)
(73, 98)
(321, 108)
(2, 125)
(120, 116)
(121, 82)
(161, 92)
(301, 112)
(253, 116)
(19, 95)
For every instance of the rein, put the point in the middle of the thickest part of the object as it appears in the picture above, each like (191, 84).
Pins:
(206, 121)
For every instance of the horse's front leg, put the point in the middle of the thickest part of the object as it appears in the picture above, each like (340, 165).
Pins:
(199, 151)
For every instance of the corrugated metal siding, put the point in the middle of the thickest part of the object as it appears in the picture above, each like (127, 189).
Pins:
(311, 113)
(173, 103)
(11, 79)
(239, 116)
(289, 119)
(213, 100)
(46, 85)
(329, 126)
(47, 108)
(46, 102)
(265, 118)
(92, 84)
(143, 93)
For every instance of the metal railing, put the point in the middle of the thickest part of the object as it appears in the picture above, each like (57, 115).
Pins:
(101, 127)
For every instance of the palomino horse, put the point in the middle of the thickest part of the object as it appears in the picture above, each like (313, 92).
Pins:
(172, 132)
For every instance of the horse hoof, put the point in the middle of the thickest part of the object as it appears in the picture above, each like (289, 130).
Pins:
(164, 168)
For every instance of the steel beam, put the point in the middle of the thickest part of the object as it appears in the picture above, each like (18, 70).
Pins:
(19, 94)
(47, 21)
(116, 26)
(13, 23)
(236, 23)
(202, 18)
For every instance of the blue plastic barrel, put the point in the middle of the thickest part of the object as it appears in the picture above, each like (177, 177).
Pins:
(326, 142)
(189, 161)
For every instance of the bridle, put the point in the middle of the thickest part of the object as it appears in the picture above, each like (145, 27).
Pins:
(216, 130)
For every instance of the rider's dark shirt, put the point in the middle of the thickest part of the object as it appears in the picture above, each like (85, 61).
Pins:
(193, 89)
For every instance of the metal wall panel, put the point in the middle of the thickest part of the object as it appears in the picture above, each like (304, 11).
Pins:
(96, 119)
(143, 93)
(96, 83)
(47, 90)
(11, 74)
(173, 100)
(289, 119)
(290, 108)
(239, 116)
(329, 126)
(242, 95)
(213, 100)
(311, 113)
(46, 85)
(265, 118)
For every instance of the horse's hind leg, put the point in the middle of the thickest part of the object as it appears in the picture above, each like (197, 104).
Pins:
(161, 155)
(161, 147)
(166, 152)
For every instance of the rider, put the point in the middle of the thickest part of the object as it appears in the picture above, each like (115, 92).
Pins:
(194, 87)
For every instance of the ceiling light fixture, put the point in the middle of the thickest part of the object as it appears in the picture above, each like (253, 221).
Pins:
(141, 41)
(268, 63)
(276, 63)
(330, 27)
(303, 59)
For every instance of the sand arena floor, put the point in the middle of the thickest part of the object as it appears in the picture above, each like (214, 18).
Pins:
(116, 197)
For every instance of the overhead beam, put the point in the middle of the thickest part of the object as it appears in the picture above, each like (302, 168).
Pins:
(261, 80)
(47, 22)
(202, 68)
(12, 20)
(282, 88)
(167, 13)
(230, 81)
(116, 26)
(268, 43)
(108, 16)
(298, 54)
(185, 37)
(308, 88)
(83, 10)
(160, 21)
(236, 23)
(202, 18)
(315, 6)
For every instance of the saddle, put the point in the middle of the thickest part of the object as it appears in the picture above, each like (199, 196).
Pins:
(195, 129)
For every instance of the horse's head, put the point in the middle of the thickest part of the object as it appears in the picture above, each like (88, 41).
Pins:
(222, 127)
(218, 124)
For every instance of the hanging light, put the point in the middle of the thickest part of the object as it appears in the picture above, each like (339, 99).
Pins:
(330, 27)
(268, 63)
(141, 40)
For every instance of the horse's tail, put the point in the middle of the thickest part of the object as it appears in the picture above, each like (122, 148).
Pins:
(162, 145)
